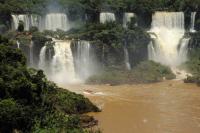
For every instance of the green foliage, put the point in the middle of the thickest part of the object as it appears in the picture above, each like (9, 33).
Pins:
(57, 122)
(12, 116)
(21, 26)
(149, 71)
(145, 72)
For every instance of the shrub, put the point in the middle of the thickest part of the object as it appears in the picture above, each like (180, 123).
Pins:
(20, 26)
(145, 72)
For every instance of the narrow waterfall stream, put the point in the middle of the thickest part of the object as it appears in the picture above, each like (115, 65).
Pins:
(126, 58)
(54, 21)
(127, 18)
(192, 24)
(31, 60)
(18, 44)
(42, 62)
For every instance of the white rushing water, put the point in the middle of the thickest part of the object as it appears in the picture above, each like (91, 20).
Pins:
(183, 50)
(85, 65)
(42, 62)
(18, 45)
(28, 20)
(167, 34)
(127, 18)
(192, 24)
(54, 21)
(62, 65)
(107, 17)
(51, 21)
(126, 58)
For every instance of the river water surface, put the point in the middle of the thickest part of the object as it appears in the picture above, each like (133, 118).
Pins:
(166, 107)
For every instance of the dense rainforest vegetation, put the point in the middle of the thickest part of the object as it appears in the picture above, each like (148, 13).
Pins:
(31, 103)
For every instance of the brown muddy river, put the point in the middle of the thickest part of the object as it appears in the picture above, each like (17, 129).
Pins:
(167, 107)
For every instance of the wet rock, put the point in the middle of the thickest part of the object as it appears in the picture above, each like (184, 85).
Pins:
(88, 121)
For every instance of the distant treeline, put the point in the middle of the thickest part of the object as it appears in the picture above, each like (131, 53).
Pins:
(39, 6)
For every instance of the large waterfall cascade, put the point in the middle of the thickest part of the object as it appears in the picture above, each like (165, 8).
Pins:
(127, 18)
(168, 29)
(29, 21)
(62, 63)
(84, 60)
(168, 46)
(61, 66)
(107, 17)
(192, 24)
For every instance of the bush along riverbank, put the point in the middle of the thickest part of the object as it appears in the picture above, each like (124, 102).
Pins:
(145, 72)
(31, 103)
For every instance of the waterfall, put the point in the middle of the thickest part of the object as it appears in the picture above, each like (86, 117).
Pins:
(183, 50)
(151, 51)
(107, 17)
(127, 18)
(51, 21)
(84, 63)
(42, 61)
(192, 27)
(29, 21)
(168, 28)
(54, 21)
(18, 45)
(63, 67)
(62, 64)
(126, 56)
(31, 53)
